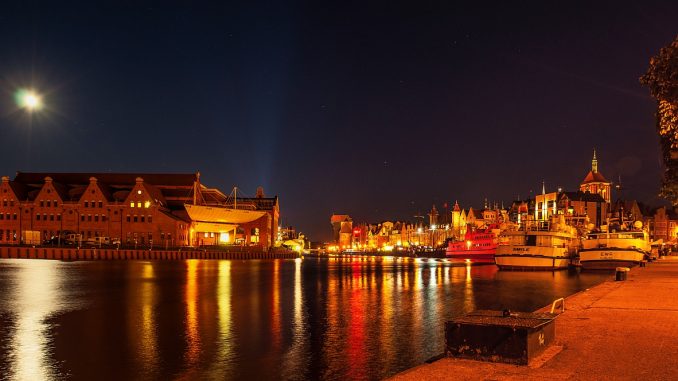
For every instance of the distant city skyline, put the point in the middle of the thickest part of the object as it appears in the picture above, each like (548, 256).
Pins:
(376, 111)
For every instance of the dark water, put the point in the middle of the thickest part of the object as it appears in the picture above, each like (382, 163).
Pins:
(353, 318)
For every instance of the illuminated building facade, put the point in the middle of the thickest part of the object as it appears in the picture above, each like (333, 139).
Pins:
(139, 209)
(595, 182)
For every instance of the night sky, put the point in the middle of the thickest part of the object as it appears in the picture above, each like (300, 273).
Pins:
(375, 110)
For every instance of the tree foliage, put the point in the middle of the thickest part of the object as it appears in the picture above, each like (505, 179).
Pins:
(662, 80)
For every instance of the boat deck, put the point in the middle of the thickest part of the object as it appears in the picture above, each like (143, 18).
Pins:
(616, 331)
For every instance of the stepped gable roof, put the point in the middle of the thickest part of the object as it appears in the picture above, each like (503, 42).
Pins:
(20, 190)
(154, 192)
(594, 177)
(583, 196)
(61, 190)
(112, 179)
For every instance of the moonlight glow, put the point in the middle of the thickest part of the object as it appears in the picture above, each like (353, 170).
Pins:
(29, 100)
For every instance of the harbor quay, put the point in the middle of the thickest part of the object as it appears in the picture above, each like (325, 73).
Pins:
(88, 254)
(617, 330)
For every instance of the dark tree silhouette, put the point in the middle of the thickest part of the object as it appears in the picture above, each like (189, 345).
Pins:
(662, 80)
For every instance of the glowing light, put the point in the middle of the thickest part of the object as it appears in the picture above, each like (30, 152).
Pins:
(147, 204)
(29, 100)
(224, 237)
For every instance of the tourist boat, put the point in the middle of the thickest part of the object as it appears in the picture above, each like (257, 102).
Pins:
(539, 246)
(608, 250)
(478, 246)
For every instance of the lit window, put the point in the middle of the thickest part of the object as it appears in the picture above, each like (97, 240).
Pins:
(147, 204)
(131, 204)
(138, 204)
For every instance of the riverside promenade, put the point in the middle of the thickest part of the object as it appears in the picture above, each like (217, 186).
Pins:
(624, 330)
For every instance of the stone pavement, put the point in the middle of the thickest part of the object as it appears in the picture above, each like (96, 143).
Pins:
(614, 331)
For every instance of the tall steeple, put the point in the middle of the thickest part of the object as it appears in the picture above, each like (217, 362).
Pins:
(594, 162)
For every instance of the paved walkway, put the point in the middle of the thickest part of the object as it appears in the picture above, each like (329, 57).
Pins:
(614, 331)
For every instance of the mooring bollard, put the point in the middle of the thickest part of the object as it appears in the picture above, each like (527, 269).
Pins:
(621, 273)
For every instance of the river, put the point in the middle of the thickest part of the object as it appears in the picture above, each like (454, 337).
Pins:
(311, 319)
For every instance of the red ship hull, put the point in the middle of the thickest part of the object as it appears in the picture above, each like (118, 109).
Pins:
(478, 247)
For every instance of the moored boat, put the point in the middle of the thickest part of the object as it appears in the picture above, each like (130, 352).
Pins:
(609, 250)
(478, 246)
(544, 246)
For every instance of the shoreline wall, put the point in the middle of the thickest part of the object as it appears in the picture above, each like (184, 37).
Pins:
(92, 254)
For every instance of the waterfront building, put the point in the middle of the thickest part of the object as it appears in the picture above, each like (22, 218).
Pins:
(458, 220)
(595, 182)
(545, 205)
(664, 225)
(583, 208)
(336, 220)
(136, 208)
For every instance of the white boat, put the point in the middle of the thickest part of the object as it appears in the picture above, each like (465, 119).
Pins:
(540, 246)
(608, 250)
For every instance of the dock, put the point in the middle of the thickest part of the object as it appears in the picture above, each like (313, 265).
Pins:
(618, 330)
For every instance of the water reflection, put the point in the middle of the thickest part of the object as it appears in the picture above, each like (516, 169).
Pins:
(145, 297)
(339, 318)
(192, 335)
(295, 358)
(37, 293)
(222, 364)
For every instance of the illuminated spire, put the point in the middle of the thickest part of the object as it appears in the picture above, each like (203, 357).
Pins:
(543, 187)
(594, 162)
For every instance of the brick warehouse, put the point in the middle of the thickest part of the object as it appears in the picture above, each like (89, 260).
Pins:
(140, 209)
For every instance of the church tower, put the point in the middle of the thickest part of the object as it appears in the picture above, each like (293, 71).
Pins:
(595, 182)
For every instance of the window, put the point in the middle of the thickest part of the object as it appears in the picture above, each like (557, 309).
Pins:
(37, 217)
(96, 218)
(150, 219)
(86, 204)
(135, 218)
(55, 203)
(103, 218)
(143, 219)
(14, 217)
(11, 202)
(138, 204)
(49, 203)
(82, 218)
(2, 216)
(89, 217)
(147, 204)
(42, 203)
(101, 204)
(131, 204)
(58, 217)
(128, 218)
(51, 217)
(4, 202)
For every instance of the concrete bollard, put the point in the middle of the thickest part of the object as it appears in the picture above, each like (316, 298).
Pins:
(621, 273)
